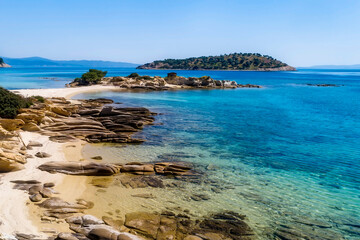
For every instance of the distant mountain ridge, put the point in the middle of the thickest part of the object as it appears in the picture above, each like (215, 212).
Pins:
(354, 66)
(44, 62)
(233, 61)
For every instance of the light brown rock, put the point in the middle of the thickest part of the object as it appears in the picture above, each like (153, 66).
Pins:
(81, 168)
(11, 124)
(144, 223)
(60, 111)
(36, 197)
(31, 127)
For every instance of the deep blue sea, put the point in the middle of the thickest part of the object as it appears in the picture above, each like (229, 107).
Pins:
(285, 152)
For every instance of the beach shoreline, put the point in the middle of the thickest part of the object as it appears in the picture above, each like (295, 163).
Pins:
(19, 218)
(64, 92)
(21, 215)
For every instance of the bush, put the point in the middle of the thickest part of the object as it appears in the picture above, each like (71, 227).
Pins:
(133, 75)
(93, 76)
(10, 103)
(146, 77)
(39, 98)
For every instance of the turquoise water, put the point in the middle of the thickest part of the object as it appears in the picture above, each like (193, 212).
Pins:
(287, 151)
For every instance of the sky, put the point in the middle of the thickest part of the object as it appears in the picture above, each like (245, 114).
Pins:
(298, 32)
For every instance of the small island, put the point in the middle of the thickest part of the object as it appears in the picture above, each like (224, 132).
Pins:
(171, 81)
(234, 61)
(3, 64)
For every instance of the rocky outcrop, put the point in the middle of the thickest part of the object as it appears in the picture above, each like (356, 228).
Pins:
(108, 169)
(90, 120)
(3, 64)
(81, 168)
(164, 226)
(172, 81)
(227, 225)
(323, 85)
(277, 69)
(94, 122)
(12, 152)
(11, 124)
(92, 228)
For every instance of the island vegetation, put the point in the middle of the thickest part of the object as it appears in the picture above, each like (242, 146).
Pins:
(93, 76)
(234, 61)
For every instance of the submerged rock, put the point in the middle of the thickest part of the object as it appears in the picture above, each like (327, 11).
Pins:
(145, 223)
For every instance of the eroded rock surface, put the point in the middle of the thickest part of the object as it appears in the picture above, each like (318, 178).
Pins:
(157, 83)
(81, 168)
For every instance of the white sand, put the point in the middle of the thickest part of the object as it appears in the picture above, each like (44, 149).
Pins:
(64, 92)
(14, 210)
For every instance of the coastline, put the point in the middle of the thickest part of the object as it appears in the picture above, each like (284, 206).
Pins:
(17, 214)
(20, 215)
(64, 92)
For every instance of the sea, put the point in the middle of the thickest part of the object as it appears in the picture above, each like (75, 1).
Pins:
(287, 155)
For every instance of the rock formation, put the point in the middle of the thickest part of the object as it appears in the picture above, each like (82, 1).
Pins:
(172, 81)
(3, 64)
(108, 169)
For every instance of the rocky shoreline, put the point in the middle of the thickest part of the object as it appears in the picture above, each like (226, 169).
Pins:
(172, 81)
(51, 187)
(62, 121)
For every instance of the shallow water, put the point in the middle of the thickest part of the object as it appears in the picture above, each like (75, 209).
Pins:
(276, 154)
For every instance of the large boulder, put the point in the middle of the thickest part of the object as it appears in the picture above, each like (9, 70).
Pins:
(31, 117)
(5, 133)
(138, 169)
(11, 124)
(93, 228)
(60, 111)
(31, 127)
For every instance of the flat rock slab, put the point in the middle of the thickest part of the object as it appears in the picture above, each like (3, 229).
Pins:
(81, 168)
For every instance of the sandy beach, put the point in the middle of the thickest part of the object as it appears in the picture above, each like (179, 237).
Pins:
(64, 92)
(16, 213)
(20, 215)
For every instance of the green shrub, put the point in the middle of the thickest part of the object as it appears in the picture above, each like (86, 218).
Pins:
(10, 103)
(133, 75)
(145, 77)
(39, 98)
(93, 76)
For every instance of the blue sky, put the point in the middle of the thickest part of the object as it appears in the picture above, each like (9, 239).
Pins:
(298, 32)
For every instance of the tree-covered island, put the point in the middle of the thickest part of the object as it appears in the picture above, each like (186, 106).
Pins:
(233, 61)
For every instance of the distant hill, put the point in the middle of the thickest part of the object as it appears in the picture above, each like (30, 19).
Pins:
(355, 66)
(234, 61)
(3, 64)
(44, 62)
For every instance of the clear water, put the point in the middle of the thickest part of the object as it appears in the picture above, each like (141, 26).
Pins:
(283, 152)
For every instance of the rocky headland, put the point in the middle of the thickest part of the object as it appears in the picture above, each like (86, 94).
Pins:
(3, 64)
(172, 81)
